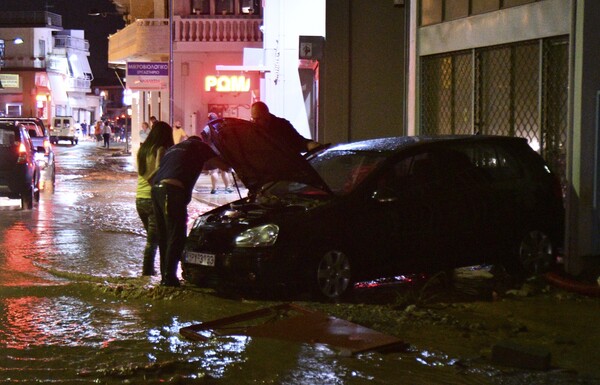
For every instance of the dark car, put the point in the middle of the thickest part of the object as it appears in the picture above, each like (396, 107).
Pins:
(374, 209)
(19, 172)
(41, 141)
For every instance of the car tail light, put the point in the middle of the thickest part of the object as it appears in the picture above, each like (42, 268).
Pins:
(22, 154)
(47, 146)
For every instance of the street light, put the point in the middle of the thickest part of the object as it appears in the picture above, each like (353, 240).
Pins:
(16, 41)
(95, 12)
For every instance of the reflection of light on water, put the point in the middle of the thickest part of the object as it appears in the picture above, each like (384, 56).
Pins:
(68, 198)
(17, 267)
(33, 321)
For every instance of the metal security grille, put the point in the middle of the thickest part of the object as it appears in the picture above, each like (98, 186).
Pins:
(516, 90)
(555, 97)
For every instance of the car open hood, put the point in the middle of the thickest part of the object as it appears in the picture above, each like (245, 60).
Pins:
(257, 157)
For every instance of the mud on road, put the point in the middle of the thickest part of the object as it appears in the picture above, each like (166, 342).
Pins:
(458, 324)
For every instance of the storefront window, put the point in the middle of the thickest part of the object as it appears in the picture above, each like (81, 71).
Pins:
(201, 7)
(438, 11)
(224, 7)
(514, 3)
(249, 7)
(431, 12)
(455, 9)
(482, 6)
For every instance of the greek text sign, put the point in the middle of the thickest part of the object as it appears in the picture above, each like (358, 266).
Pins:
(147, 75)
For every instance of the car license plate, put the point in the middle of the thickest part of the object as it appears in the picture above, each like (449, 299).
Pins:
(200, 258)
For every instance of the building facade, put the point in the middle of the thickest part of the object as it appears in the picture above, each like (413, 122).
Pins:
(48, 74)
(344, 70)
(521, 68)
(172, 72)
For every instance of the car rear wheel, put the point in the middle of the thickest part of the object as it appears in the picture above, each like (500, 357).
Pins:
(333, 275)
(27, 199)
(535, 253)
(36, 192)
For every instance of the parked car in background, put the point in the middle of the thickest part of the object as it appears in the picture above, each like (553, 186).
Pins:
(41, 141)
(374, 209)
(19, 172)
(63, 128)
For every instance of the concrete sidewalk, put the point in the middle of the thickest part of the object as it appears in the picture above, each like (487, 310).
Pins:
(202, 188)
(221, 197)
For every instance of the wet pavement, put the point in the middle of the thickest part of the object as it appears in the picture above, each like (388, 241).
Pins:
(74, 309)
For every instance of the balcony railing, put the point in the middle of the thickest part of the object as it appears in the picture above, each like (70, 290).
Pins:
(29, 19)
(142, 38)
(73, 84)
(217, 30)
(149, 38)
(64, 41)
(23, 62)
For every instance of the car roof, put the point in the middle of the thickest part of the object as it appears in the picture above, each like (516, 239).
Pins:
(397, 143)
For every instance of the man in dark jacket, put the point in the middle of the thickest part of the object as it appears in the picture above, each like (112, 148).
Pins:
(179, 170)
(280, 128)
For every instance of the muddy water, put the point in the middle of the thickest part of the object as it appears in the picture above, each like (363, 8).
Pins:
(73, 309)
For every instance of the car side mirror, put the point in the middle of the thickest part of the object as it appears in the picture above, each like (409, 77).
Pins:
(384, 195)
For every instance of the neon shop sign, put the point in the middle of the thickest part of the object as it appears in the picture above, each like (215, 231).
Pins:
(226, 83)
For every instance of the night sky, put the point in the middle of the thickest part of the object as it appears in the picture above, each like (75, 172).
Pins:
(75, 16)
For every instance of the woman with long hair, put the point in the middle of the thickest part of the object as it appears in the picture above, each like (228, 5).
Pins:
(149, 155)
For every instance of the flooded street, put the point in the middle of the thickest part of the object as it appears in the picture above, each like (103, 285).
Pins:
(74, 309)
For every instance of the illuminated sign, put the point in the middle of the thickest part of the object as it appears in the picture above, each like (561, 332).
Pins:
(9, 81)
(147, 76)
(226, 83)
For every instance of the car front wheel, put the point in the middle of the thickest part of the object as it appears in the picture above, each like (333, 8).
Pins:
(536, 253)
(333, 275)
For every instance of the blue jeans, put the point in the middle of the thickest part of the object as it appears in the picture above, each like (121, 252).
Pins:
(146, 212)
(170, 208)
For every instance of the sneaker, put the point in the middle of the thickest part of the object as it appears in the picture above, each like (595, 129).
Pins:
(170, 283)
(213, 191)
(229, 190)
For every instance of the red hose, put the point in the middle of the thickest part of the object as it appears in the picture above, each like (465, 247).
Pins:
(573, 285)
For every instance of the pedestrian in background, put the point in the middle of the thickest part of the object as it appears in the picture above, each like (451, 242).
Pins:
(84, 129)
(144, 131)
(179, 134)
(159, 139)
(106, 133)
(98, 130)
(152, 120)
(213, 170)
(172, 188)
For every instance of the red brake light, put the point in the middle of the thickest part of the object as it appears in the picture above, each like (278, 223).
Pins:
(22, 154)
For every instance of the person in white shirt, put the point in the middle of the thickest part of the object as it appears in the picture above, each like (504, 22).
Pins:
(179, 134)
(144, 131)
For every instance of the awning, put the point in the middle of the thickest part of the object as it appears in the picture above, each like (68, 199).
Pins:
(80, 67)
(57, 89)
(243, 68)
(77, 101)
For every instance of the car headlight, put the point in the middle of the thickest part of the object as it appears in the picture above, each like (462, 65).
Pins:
(260, 236)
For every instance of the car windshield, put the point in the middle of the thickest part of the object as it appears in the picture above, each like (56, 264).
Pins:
(343, 170)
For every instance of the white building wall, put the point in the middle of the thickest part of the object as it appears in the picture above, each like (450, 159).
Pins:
(284, 21)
